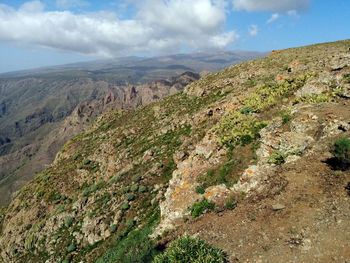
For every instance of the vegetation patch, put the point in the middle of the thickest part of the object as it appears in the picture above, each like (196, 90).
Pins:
(135, 247)
(278, 157)
(200, 207)
(341, 151)
(240, 126)
(191, 250)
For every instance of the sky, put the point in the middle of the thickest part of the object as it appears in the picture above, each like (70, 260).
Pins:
(52, 32)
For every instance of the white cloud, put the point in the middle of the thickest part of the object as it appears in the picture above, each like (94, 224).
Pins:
(273, 17)
(253, 30)
(271, 5)
(65, 4)
(159, 26)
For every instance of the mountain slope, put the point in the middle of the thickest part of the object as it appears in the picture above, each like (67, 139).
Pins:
(239, 158)
(35, 103)
(36, 137)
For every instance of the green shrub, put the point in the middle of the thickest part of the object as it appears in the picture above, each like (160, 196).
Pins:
(286, 116)
(143, 189)
(134, 187)
(136, 178)
(231, 203)
(347, 78)
(125, 206)
(71, 248)
(86, 161)
(113, 228)
(136, 247)
(115, 179)
(125, 189)
(200, 189)
(76, 156)
(130, 223)
(277, 157)
(341, 150)
(30, 241)
(69, 221)
(246, 110)
(191, 250)
(198, 208)
(129, 197)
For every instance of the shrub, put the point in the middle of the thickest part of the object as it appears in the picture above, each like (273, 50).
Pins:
(71, 248)
(347, 78)
(286, 116)
(115, 179)
(198, 208)
(113, 228)
(341, 150)
(76, 156)
(231, 203)
(86, 161)
(130, 223)
(134, 187)
(125, 206)
(189, 249)
(30, 241)
(69, 221)
(129, 197)
(246, 110)
(200, 189)
(136, 178)
(143, 189)
(277, 157)
(135, 247)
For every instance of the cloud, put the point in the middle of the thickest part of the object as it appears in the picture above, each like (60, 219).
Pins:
(273, 17)
(271, 5)
(253, 30)
(159, 26)
(66, 4)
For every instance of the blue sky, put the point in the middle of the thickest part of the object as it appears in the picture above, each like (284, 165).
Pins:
(51, 32)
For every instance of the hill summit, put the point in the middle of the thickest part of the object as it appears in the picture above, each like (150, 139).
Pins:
(240, 160)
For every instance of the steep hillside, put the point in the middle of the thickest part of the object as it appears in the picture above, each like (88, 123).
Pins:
(34, 104)
(240, 159)
(36, 126)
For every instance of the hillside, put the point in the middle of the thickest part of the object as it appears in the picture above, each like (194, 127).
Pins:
(35, 104)
(36, 123)
(240, 158)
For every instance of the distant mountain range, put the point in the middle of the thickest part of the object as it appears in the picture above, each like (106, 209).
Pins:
(141, 69)
(41, 109)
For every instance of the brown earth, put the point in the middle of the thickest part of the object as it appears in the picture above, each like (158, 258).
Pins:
(312, 225)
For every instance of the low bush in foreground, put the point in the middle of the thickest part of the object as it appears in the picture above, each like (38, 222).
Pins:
(190, 250)
(341, 150)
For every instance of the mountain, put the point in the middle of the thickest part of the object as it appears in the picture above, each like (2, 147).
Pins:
(34, 104)
(141, 69)
(240, 159)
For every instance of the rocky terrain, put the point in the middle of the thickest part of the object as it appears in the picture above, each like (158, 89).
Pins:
(34, 104)
(240, 158)
(31, 143)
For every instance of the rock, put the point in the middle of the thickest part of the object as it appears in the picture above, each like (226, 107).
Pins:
(277, 207)
(147, 156)
(205, 151)
(339, 62)
(180, 156)
(312, 87)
